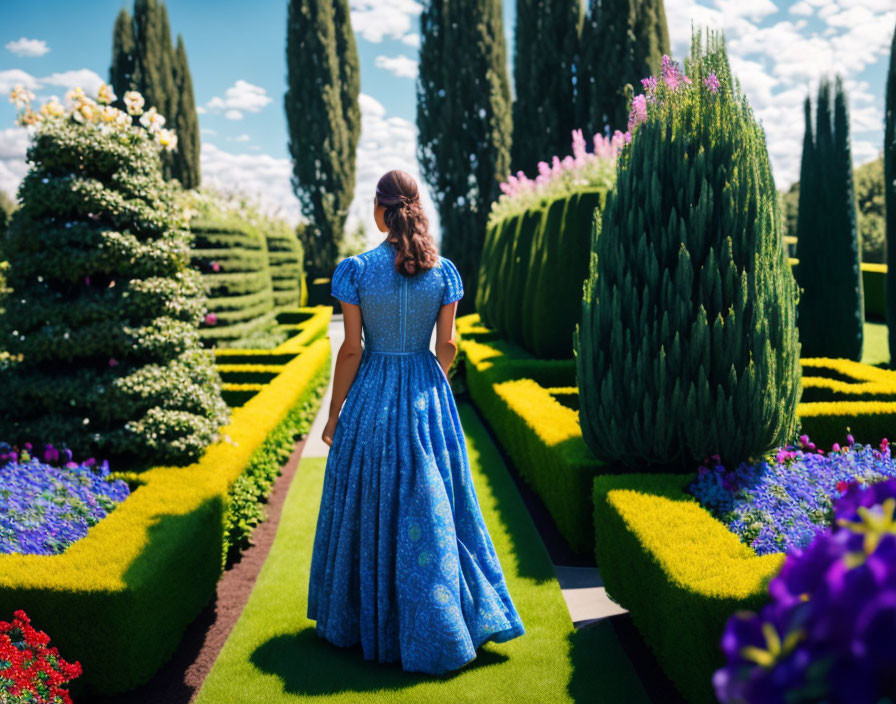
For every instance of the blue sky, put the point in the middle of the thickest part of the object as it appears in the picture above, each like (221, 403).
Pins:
(236, 55)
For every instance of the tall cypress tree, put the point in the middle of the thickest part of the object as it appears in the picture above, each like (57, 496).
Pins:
(831, 307)
(121, 70)
(622, 42)
(890, 196)
(545, 57)
(323, 122)
(186, 122)
(464, 123)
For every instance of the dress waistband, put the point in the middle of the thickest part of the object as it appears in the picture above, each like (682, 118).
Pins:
(373, 351)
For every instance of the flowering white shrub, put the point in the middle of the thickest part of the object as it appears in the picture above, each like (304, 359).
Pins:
(99, 112)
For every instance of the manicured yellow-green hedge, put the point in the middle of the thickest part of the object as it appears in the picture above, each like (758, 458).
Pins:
(841, 396)
(120, 598)
(518, 396)
(679, 571)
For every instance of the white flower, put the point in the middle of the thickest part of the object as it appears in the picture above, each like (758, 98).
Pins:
(166, 138)
(76, 94)
(86, 110)
(20, 95)
(152, 120)
(109, 113)
(105, 94)
(52, 108)
(134, 102)
(123, 119)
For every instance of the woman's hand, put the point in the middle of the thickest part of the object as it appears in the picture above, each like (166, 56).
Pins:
(329, 430)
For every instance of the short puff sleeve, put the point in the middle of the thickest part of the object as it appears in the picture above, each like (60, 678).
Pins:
(344, 284)
(454, 287)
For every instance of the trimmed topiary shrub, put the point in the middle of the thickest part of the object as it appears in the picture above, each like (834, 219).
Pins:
(231, 251)
(285, 257)
(827, 246)
(103, 317)
(688, 343)
(559, 274)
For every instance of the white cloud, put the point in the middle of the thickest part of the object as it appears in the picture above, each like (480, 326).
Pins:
(208, 130)
(13, 167)
(89, 80)
(241, 97)
(260, 175)
(239, 138)
(376, 19)
(11, 77)
(412, 39)
(200, 110)
(28, 47)
(779, 58)
(386, 143)
(401, 66)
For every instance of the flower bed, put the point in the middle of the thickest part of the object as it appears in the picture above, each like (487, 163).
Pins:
(120, 598)
(46, 508)
(783, 504)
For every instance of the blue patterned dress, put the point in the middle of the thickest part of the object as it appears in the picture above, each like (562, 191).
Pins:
(402, 560)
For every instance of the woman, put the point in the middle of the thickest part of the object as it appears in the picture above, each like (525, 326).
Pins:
(402, 561)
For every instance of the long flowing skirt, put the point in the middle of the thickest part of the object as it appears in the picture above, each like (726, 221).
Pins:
(402, 561)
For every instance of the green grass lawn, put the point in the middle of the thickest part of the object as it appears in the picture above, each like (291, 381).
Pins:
(875, 348)
(273, 654)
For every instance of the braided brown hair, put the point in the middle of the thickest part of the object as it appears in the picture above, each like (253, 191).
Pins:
(408, 225)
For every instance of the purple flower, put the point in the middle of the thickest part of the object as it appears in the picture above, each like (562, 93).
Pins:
(829, 630)
(712, 83)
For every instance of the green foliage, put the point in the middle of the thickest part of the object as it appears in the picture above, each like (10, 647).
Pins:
(622, 41)
(324, 122)
(688, 343)
(143, 59)
(230, 249)
(185, 122)
(464, 123)
(532, 270)
(546, 38)
(680, 572)
(869, 184)
(104, 310)
(827, 241)
(890, 193)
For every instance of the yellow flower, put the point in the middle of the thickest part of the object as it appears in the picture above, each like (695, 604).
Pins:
(29, 117)
(52, 108)
(109, 113)
(76, 94)
(166, 138)
(105, 94)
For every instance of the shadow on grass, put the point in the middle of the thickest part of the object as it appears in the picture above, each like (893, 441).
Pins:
(533, 559)
(312, 666)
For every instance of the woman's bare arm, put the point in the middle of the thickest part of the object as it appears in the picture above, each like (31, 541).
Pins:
(446, 348)
(347, 360)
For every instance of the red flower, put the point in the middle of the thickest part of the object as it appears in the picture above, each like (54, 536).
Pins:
(842, 486)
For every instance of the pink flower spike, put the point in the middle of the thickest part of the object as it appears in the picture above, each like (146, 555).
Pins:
(211, 318)
(782, 456)
(87, 280)
(804, 439)
(836, 447)
(712, 83)
(850, 440)
(113, 362)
